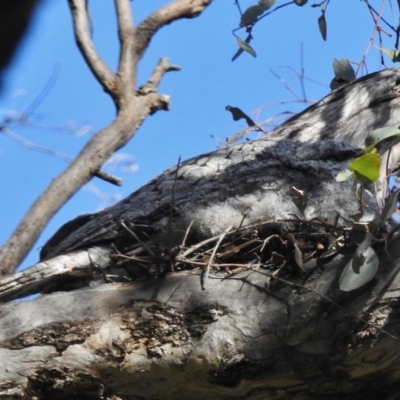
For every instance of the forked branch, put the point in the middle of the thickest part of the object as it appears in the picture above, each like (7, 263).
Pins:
(133, 107)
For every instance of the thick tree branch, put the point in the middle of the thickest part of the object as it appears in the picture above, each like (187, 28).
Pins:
(178, 9)
(76, 266)
(98, 67)
(127, 62)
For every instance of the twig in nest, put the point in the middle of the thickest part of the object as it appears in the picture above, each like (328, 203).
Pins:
(213, 253)
(172, 204)
(187, 233)
(122, 223)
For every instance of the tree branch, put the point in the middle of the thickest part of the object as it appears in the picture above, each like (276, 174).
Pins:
(178, 9)
(132, 109)
(159, 71)
(98, 67)
(127, 62)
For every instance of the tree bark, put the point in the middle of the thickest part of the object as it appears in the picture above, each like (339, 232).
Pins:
(284, 333)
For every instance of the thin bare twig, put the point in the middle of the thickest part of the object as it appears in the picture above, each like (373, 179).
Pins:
(172, 204)
(136, 237)
(33, 146)
(223, 234)
(187, 232)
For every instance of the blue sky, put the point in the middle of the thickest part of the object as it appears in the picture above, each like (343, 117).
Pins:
(209, 81)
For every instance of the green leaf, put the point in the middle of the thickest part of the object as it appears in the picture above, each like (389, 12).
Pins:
(378, 135)
(366, 262)
(344, 175)
(394, 55)
(367, 166)
(246, 47)
(322, 26)
(300, 2)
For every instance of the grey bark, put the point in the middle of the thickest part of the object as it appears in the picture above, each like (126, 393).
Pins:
(243, 336)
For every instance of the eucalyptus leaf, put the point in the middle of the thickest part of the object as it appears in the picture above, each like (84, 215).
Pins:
(366, 166)
(240, 50)
(394, 55)
(322, 26)
(379, 135)
(351, 280)
(343, 70)
(360, 253)
(246, 47)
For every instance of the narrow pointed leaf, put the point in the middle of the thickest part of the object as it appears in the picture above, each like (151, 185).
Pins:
(322, 26)
(394, 55)
(246, 47)
(240, 50)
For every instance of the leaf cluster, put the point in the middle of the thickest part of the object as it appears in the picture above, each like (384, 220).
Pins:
(365, 170)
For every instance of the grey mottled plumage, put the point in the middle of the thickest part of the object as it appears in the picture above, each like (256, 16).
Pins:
(253, 179)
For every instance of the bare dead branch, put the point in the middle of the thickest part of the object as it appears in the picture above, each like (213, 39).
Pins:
(177, 9)
(127, 62)
(105, 176)
(32, 280)
(98, 67)
(132, 111)
(160, 70)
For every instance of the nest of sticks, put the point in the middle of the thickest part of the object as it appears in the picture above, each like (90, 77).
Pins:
(277, 247)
